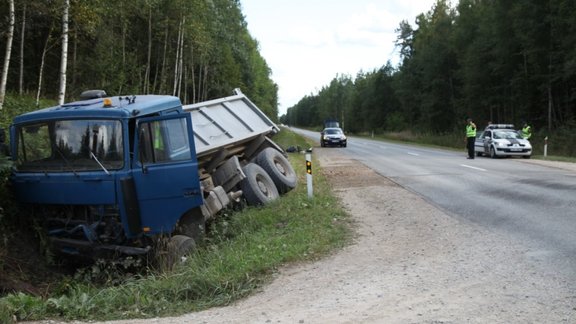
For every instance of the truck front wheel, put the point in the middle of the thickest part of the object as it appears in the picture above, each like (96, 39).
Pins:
(278, 168)
(192, 224)
(178, 247)
(258, 187)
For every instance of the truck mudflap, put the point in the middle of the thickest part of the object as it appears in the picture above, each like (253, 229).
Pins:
(85, 248)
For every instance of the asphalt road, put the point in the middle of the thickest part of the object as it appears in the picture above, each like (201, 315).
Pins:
(533, 203)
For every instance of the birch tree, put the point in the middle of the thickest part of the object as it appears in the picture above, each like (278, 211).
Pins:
(10, 36)
(178, 54)
(22, 39)
(149, 56)
(42, 64)
(64, 57)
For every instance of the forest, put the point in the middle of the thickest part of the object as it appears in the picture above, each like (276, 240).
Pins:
(194, 49)
(490, 60)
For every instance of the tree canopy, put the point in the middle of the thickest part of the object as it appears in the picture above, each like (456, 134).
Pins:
(194, 49)
(490, 60)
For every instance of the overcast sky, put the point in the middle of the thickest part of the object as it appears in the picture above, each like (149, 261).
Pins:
(307, 43)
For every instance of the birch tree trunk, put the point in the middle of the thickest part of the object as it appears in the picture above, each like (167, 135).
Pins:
(185, 98)
(177, 60)
(162, 77)
(64, 58)
(192, 75)
(200, 82)
(149, 59)
(204, 93)
(22, 38)
(74, 58)
(41, 72)
(181, 63)
(4, 79)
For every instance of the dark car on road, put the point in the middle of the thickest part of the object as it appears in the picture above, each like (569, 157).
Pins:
(332, 136)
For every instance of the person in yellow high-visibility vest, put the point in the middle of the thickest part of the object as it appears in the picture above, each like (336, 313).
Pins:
(526, 131)
(470, 137)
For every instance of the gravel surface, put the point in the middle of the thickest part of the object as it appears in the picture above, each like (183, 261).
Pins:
(410, 263)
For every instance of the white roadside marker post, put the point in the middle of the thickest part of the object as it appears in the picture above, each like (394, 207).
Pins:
(309, 174)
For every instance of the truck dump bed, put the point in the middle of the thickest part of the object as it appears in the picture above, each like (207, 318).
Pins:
(227, 122)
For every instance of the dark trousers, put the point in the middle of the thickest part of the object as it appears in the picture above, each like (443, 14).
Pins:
(470, 146)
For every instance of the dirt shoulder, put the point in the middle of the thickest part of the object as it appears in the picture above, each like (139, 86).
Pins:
(410, 263)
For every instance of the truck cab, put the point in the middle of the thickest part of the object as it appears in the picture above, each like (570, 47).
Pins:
(105, 173)
(109, 175)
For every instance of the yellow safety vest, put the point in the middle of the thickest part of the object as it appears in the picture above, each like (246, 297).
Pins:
(526, 132)
(470, 131)
(158, 143)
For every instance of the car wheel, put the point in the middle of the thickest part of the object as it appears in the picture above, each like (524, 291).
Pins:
(258, 187)
(493, 152)
(278, 168)
(478, 153)
(526, 156)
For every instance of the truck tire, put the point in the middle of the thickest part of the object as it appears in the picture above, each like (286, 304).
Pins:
(258, 187)
(278, 168)
(192, 224)
(179, 246)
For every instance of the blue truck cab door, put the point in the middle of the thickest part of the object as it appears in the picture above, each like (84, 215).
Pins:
(165, 171)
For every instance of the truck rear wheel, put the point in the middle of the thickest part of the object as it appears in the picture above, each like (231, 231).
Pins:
(278, 168)
(258, 187)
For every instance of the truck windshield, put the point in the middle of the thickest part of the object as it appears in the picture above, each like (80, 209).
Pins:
(69, 146)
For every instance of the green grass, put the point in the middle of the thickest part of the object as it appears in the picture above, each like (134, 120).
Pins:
(245, 248)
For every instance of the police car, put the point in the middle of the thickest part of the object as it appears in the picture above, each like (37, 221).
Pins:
(500, 140)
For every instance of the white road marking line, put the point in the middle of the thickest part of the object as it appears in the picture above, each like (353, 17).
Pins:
(415, 154)
(471, 167)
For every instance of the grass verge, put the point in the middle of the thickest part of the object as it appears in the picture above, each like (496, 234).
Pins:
(243, 251)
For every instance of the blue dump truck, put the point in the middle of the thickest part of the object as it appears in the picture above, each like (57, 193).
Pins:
(108, 176)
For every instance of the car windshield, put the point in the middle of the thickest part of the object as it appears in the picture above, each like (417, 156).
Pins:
(333, 131)
(69, 146)
(507, 134)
